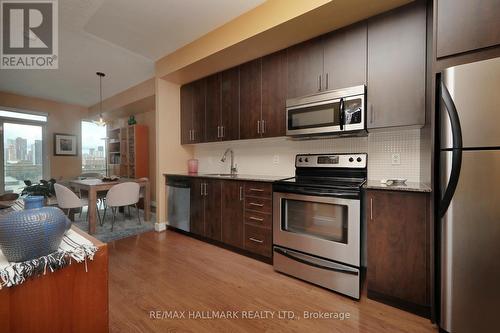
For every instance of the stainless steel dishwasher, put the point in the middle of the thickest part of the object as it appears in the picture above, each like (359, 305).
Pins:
(178, 202)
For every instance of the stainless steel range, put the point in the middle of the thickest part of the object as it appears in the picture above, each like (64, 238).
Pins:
(317, 221)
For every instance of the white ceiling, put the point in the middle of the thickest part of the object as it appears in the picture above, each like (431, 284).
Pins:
(121, 38)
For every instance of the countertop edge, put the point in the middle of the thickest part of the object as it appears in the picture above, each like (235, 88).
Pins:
(242, 177)
(409, 187)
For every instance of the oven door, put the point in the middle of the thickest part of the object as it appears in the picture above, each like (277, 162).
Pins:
(327, 227)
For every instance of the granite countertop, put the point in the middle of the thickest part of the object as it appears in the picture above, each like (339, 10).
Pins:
(408, 186)
(257, 178)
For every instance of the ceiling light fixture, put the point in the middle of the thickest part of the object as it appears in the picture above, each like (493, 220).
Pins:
(101, 121)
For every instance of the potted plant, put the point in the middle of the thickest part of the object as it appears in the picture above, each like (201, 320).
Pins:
(37, 194)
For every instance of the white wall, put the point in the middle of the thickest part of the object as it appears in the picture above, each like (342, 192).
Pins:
(256, 156)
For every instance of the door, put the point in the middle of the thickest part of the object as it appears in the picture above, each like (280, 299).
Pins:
(473, 90)
(199, 91)
(345, 57)
(186, 113)
(23, 155)
(213, 108)
(470, 293)
(197, 207)
(305, 68)
(213, 209)
(251, 99)
(464, 25)
(396, 68)
(324, 226)
(274, 85)
(232, 213)
(397, 242)
(230, 108)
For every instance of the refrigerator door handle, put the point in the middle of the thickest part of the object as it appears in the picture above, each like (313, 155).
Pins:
(456, 162)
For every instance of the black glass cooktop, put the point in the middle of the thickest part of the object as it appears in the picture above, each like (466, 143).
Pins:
(330, 182)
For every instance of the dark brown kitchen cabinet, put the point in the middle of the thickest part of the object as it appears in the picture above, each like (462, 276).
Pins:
(345, 57)
(305, 68)
(213, 209)
(465, 25)
(230, 104)
(205, 208)
(186, 113)
(274, 91)
(232, 213)
(396, 68)
(213, 107)
(398, 249)
(199, 91)
(193, 112)
(197, 207)
(251, 99)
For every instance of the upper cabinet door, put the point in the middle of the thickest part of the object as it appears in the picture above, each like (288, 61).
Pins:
(274, 87)
(345, 57)
(213, 108)
(186, 113)
(396, 68)
(199, 92)
(465, 25)
(230, 104)
(250, 100)
(305, 68)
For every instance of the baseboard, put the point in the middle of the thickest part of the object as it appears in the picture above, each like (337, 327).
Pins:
(160, 226)
(418, 309)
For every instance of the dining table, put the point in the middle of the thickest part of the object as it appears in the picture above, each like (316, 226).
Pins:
(93, 186)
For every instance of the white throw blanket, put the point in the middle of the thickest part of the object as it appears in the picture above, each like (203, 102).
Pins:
(73, 246)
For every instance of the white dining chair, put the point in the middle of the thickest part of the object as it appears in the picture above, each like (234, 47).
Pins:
(122, 195)
(67, 199)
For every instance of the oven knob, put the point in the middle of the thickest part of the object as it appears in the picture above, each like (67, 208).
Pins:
(307, 160)
(351, 159)
(358, 159)
(300, 159)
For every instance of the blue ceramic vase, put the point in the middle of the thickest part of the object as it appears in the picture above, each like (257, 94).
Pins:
(33, 201)
(32, 233)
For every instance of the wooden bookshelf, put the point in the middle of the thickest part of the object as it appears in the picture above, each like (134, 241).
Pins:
(128, 151)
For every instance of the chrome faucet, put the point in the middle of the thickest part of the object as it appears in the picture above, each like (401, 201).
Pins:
(234, 169)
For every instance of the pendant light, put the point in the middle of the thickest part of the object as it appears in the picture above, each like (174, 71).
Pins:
(101, 121)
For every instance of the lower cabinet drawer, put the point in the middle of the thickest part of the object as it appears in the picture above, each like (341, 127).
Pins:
(259, 219)
(258, 240)
(259, 204)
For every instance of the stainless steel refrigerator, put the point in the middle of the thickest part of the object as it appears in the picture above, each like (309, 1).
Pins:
(469, 210)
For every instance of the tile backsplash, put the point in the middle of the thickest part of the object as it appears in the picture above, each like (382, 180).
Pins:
(276, 156)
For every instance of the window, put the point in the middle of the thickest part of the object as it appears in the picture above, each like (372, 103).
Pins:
(93, 148)
(22, 141)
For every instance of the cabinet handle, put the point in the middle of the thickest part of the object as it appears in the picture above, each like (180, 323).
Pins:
(263, 126)
(371, 209)
(222, 131)
(258, 126)
(256, 189)
(256, 218)
(206, 192)
(372, 115)
(326, 83)
(256, 204)
(194, 135)
(241, 193)
(319, 82)
(201, 189)
(256, 240)
(218, 132)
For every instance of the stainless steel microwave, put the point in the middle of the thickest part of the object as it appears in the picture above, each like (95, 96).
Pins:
(337, 112)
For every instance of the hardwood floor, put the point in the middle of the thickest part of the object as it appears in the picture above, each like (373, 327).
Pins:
(169, 271)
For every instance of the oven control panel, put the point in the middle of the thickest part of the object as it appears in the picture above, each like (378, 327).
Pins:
(331, 161)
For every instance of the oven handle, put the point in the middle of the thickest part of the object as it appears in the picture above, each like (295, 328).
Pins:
(346, 195)
(313, 264)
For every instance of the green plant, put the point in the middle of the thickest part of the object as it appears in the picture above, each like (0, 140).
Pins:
(44, 188)
(132, 121)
